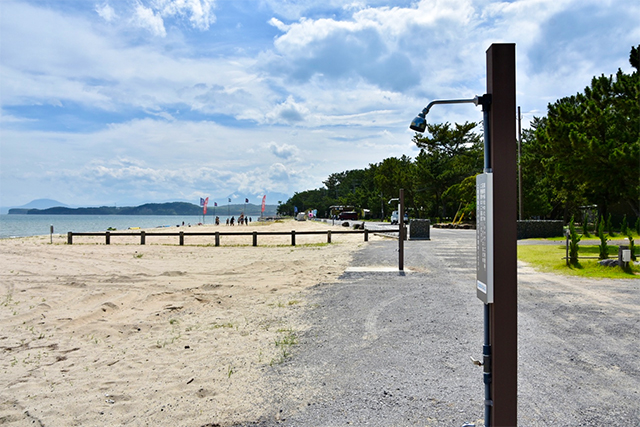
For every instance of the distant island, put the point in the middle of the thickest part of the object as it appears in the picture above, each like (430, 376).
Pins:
(172, 208)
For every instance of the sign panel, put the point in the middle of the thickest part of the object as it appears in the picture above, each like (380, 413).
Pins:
(484, 237)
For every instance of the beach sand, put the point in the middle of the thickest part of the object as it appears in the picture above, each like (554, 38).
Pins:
(160, 334)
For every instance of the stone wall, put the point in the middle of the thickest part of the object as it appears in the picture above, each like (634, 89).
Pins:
(420, 229)
(539, 229)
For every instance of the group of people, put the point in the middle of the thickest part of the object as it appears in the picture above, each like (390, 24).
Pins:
(231, 221)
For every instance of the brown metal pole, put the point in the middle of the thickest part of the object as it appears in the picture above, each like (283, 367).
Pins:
(501, 85)
(401, 232)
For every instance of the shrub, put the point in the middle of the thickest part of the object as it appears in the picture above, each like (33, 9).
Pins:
(573, 244)
(604, 248)
(610, 226)
(632, 246)
(624, 228)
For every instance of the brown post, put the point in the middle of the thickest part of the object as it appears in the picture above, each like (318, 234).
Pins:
(107, 238)
(401, 232)
(70, 238)
(143, 236)
(255, 238)
(293, 237)
(182, 238)
(217, 238)
(501, 85)
(329, 236)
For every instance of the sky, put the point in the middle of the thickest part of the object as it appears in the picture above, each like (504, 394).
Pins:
(134, 101)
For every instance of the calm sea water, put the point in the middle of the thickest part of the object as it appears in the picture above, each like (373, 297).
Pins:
(36, 225)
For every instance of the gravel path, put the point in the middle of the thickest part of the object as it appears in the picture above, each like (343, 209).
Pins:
(391, 349)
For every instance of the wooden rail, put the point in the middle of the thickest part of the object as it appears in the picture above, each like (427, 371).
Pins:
(181, 235)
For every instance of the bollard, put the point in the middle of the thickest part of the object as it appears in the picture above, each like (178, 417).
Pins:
(217, 238)
(143, 236)
(366, 235)
(107, 238)
(70, 238)
(255, 238)
(293, 237)
(329, 236)
(182, 238)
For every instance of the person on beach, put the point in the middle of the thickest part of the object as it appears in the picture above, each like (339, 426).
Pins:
(233, 219)
(227, 221)
(217, 220)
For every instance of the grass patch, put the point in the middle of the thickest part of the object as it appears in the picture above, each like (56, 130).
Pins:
(286, 339)
(549, 258)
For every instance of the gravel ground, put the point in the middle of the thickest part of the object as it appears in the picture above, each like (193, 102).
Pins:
(392, 349)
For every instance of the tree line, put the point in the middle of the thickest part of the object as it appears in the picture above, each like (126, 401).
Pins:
(584, 153)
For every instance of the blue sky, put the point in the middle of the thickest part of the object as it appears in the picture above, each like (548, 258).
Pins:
(133, 101)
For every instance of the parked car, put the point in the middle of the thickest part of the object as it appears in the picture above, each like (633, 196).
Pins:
(348, 215)
(395, 217)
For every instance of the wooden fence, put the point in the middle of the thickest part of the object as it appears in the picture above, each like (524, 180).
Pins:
(181, 235)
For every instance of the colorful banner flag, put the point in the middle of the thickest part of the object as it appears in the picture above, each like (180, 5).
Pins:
(229, 200)
(205, 202)
(246, 200)
(264, 199)
(201, 202)
(215, 204)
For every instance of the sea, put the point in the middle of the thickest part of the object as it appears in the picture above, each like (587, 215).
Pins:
(38, 225)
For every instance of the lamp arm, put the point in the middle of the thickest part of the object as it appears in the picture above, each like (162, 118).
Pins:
(475, 101)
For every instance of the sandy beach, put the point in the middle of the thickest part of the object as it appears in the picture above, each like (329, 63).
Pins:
(160, 334)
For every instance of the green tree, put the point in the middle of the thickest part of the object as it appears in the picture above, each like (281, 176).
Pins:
(591, 145)
(448, 156)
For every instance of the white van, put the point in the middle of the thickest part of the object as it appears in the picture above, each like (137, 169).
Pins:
(395, 217)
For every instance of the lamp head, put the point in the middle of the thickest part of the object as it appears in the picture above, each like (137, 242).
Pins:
(419, 124)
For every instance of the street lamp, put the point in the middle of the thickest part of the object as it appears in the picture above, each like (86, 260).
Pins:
(419, 124)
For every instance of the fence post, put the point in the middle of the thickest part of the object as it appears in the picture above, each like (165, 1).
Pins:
(293, 237)
(329, 236)
(70, 238)
(107, 238)
(366, 235)
(182, 238)
(142, 237)
(255, 238)
(217, 238)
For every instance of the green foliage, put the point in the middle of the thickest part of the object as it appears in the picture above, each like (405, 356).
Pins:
(440, 178)
(448, 155)
(604, 248)
(610, 226)
(587, 147)
(624, 227)
(637, 226)
(573, 243)
(632, 246)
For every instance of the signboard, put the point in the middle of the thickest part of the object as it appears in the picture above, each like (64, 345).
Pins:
(484, 237)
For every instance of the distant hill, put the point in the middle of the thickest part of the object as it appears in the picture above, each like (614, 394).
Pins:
(172, 208)
(35, 204)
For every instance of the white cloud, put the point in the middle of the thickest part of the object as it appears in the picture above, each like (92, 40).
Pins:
(106, 12)
(146, 18)
(278, 172)
(333, 90)
(283, 151)
(200, 12)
